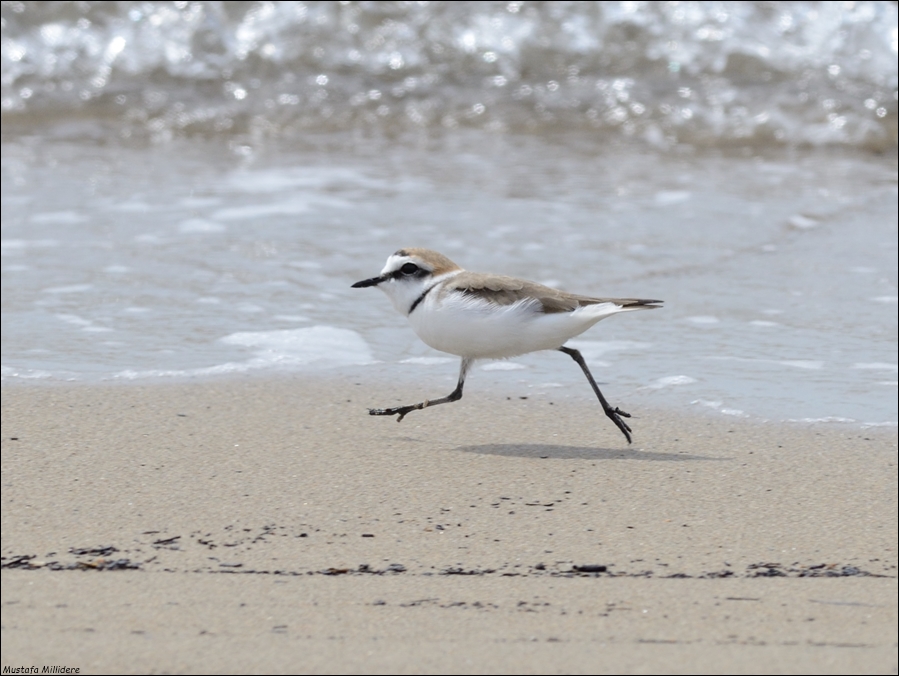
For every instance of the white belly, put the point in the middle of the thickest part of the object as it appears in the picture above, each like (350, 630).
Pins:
(476, 329)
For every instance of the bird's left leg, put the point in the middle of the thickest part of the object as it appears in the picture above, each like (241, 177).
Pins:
(613, 413)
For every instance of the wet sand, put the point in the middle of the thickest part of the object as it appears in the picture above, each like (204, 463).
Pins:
(273, 526)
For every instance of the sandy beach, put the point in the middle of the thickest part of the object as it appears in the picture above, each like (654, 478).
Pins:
(191, 480)
(273, 526)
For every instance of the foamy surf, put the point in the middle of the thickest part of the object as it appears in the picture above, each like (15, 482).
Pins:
(320, 346)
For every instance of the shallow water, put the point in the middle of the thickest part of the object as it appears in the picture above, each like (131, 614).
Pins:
(667, 73)
(189, 189)
(187, 259)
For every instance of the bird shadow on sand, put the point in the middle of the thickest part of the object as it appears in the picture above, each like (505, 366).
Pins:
(577, 452)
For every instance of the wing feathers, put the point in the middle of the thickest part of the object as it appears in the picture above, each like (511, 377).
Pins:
(504, 290)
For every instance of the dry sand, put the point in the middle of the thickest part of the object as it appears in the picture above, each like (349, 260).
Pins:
(273, 526)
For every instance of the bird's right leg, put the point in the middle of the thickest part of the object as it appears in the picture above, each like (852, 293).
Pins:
(455, 395)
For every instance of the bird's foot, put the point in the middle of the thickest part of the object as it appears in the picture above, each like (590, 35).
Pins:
(399, 411)
(614, 415)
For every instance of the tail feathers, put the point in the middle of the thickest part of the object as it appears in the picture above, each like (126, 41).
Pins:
(637, 303)
(606, 307)
(622, 303)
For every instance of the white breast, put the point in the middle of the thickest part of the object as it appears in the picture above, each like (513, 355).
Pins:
(470, 327)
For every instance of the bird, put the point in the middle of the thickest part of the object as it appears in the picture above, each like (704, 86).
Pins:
(476, 315)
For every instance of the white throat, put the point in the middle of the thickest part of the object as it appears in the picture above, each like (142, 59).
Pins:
(404, 294)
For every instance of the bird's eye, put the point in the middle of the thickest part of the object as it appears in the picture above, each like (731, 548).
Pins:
(409, 269)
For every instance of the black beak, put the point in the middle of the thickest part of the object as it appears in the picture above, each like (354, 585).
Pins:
(374, 281)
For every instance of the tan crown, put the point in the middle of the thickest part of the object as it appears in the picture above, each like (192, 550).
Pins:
(437, 262)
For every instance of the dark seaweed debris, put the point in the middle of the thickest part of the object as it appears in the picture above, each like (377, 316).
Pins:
(818, 570)
(101, 558)
(98, 561)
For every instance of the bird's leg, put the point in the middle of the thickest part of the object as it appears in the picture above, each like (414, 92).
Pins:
(455, 395)
(613, 413)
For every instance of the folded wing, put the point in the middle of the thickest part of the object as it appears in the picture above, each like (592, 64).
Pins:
(503, 290)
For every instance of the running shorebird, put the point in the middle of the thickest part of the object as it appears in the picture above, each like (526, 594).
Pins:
(485, 316)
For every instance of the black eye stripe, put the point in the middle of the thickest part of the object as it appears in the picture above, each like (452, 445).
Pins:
(409, 269)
